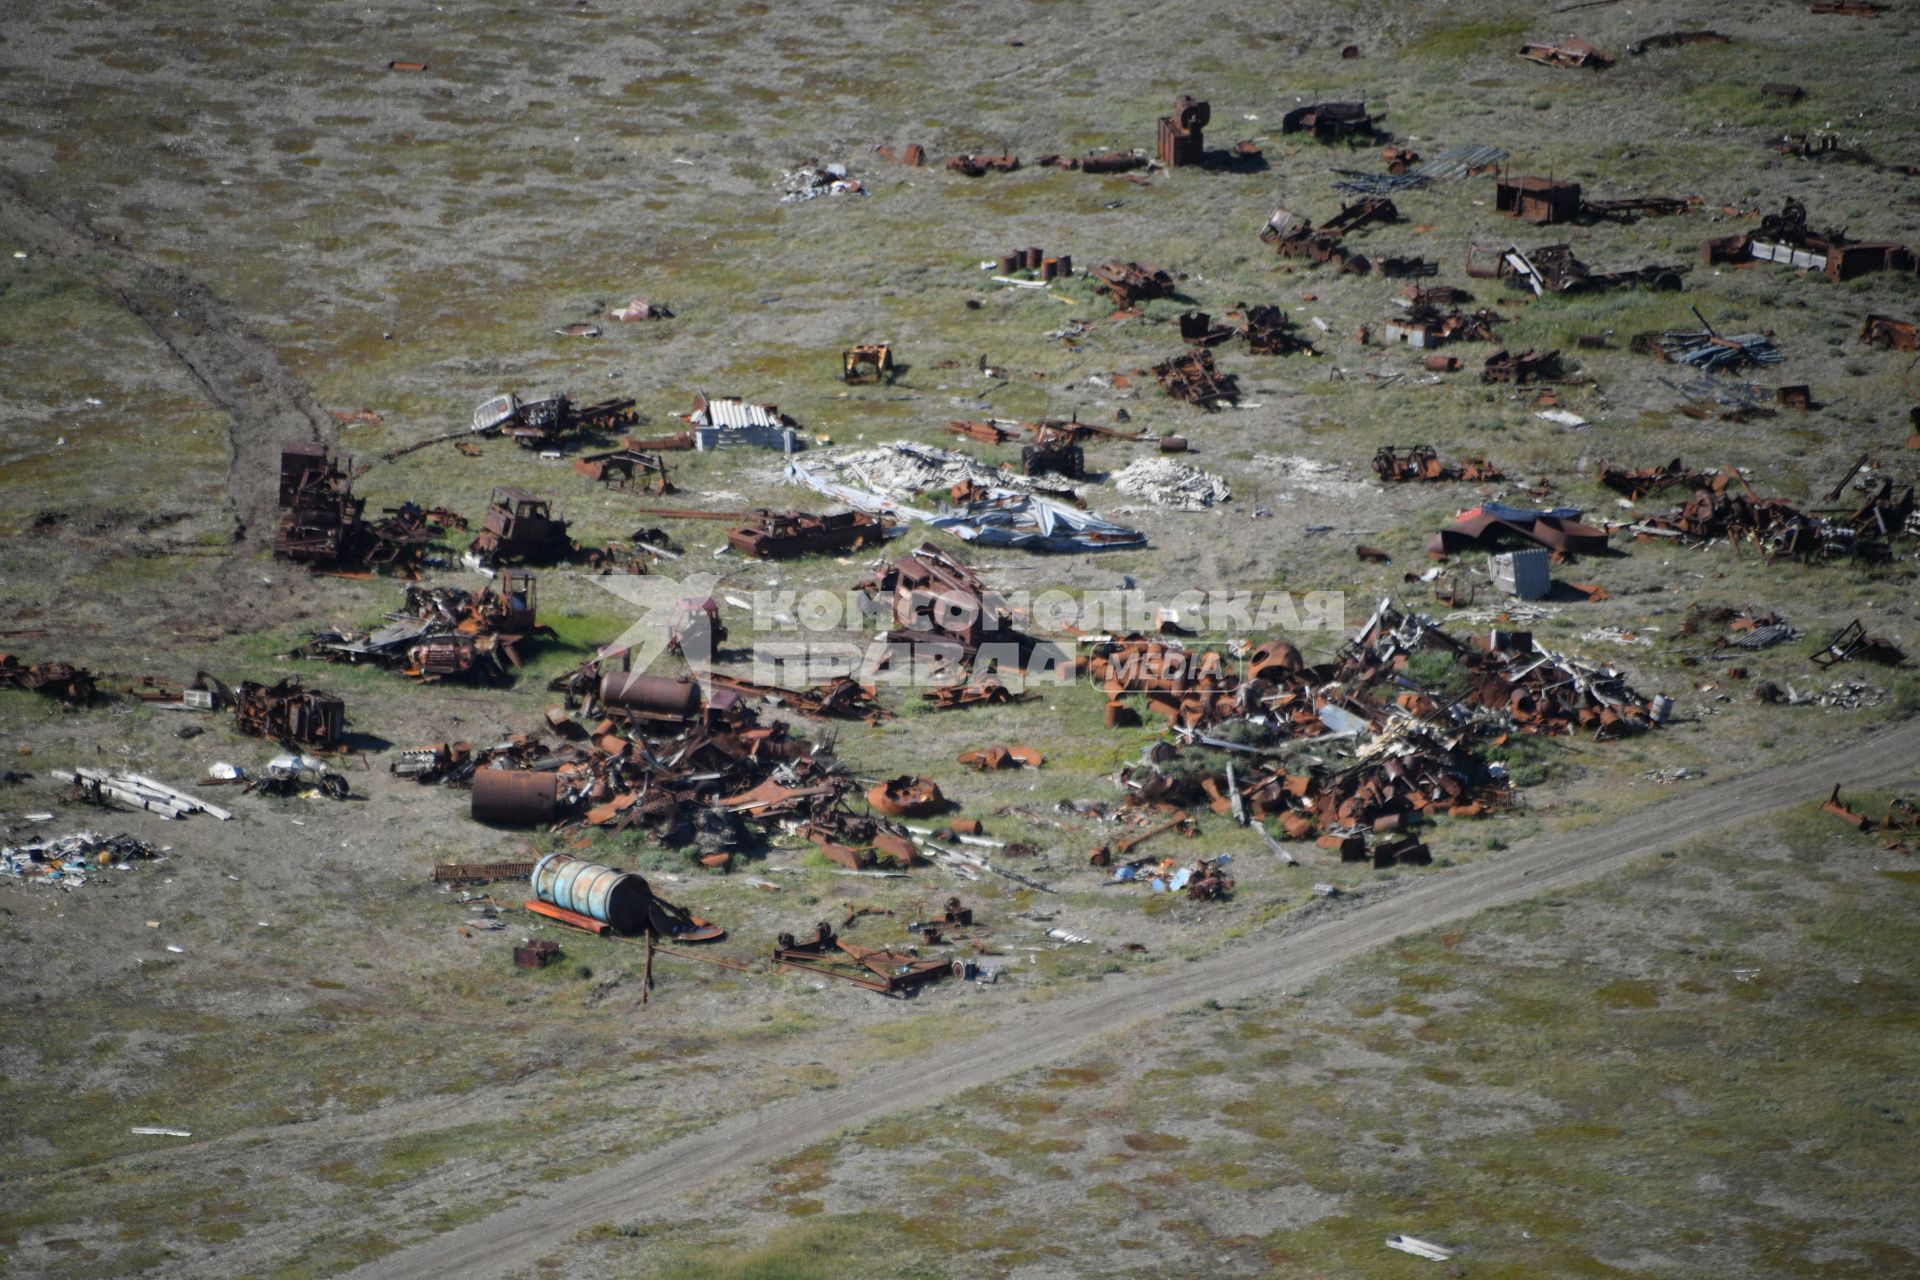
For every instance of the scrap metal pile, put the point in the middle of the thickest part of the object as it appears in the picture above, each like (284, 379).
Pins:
(72, 685)
(324, 526)
(1411, 746)
(1421, 462)
(1167, 483)
(1192, 376)
(1129, 283)
(1294, 236)
(1727, 507)
(1269, 331)
(444, 632)
(552, 422)
(1427, 322)
(289, 713)
(1554, 269)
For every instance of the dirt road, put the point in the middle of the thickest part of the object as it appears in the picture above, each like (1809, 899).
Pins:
(512, 1239)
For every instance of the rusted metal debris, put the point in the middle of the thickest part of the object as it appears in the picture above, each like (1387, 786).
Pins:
(1295, 236)
(907, 797)
(1426, 322)
(1785, 238)
(1638, 484)
(520, 528)
(982, 691)
(1851, 8)
(978, 166)
(291, 714)
(773, 535)
(1097, 162)
(1900, 824)
(1554, 269)
(913, 155)
(324, 526)
(627, 469)
(1569, 52)
(479, 872)
(1130, 283)
(1328, 121)
(891, 973)
(1422, 462)
(1181, 139)
(1706, 348)
(868, 362)
(1528, 366)
(1541, 201)
(838, 699)
(1851, 643)
(1270, 332)
(445, 633)
(1674, 39)
(551, 422)
(1413, 749)
(1783, 92)
(72, 685)
(1487, 526)
(1890, 334)
(1000, 756)
(984, 432)
(1728, 508)
(1191, 376)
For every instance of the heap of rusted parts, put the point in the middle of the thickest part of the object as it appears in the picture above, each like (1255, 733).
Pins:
(1002, 756)
(551, 422)
(1890, 333)
(324, 526)
(1130, 283)
(1527, 366)
(1192, 376)
(842, 698)
(1411, 747)
(1096, 162)
(1329, 121)
(445, 633)
(1421, 462)
(772, 535)
(1851, 643)
(72, 685)
(940, 606)
(1294, 236)
(1727, 507)
(627, 468)
(1269, 331)
(1654, 479)
(978, 166)
(1429, 321)
(289, 713)
(913, 155)
(1900, 824)
(1570, 52)
(1785, 238)
(891, 973)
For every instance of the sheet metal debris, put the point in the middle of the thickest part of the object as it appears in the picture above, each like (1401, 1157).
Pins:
(1167, 483)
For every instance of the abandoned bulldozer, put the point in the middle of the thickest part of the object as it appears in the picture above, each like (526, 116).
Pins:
(520, 529)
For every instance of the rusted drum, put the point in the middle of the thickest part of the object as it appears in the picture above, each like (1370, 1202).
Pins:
(514, 797)
(650, 695)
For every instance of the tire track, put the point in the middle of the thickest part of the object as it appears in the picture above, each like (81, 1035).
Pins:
(514, 1238)
(236, 369)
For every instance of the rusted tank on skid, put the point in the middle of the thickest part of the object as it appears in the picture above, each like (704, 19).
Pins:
(653, 697)
(617, 898)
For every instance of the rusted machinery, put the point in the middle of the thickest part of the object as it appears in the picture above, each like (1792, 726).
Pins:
(978, 166)
(1181, 139)
(549, 422)
(291, 714)
(1130, 283)
(626, 468)
(1541, 201)
(1270, 332)
(520, 528)
(771, 535)
(936, 599)
(1421, 462)
(1053, 453)
(72, 685)
(324, 526)
(444, 633)
(1577, 54)
(868, 362)
(1192, 376)
(1890, 334)
(1528, 366)
(1785, 238)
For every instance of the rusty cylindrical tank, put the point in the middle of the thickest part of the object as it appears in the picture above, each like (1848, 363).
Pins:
(616, 898)
(514, 797)
(650, 695)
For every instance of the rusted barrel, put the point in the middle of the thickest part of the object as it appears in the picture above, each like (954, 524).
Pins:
(650, 695)
(514, 797)
(616, 898)
(1033, 257)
